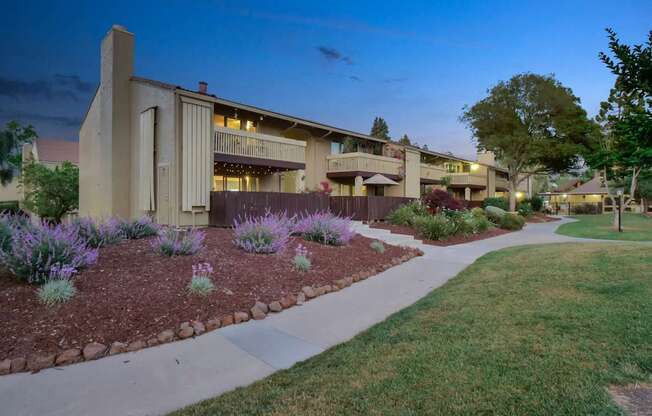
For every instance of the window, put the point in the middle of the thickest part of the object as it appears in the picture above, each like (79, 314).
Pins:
(336, 148)
(250, 126)
(232, 184)
(218, 120)
(233, 123)
(218, 183)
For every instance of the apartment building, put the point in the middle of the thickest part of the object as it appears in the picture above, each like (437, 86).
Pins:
(149, 147)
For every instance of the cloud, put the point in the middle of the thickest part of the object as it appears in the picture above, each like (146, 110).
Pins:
(68, 87)
(332, 54)
(23, 116)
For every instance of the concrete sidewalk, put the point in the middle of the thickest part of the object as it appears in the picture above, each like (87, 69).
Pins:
(161, 379)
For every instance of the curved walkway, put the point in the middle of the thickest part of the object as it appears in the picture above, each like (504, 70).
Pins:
(164, 378)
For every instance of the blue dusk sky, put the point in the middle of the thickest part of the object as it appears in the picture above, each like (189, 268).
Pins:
(414, 63)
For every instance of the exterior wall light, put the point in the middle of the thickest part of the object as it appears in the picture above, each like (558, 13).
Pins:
(519, 195)
(474, 167)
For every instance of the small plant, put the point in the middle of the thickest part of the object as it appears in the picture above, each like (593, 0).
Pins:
(434, 227)
(201, 282)
(512, 222)
(377, 246)
(476, 221)
(525, 209)
(301, 259)
(99, 234)
(499, 202)
(56, 291)
(140, 228)
(325, 228)
(177, 242)
(267, 234)
(406, 213)
(478, 212)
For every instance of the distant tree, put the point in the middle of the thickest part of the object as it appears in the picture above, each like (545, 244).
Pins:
(12, 139)
(533, 124)
(51, 193)
(425, 147)
(405, 140)
(379, 129)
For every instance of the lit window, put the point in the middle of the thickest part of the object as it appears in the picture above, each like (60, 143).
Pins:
(336, 148)
(232, 184)
(250, 126)
(218, 183)
(218, 120)
(233, 123)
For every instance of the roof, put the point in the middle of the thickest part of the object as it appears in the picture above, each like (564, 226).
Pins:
(57, 151)
(592, 187)
(379, 179)
(573, 183)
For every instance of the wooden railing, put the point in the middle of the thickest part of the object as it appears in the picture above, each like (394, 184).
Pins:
(433, 172)
(466, 179)
(364, 162)
(502, 183)
(257, 145)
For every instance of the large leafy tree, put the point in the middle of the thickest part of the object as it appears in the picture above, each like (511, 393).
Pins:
(12, 139)
(379, 129)
(533, 125)
(51, 193)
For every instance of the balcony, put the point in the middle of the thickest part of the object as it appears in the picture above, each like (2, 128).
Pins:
(468, 180)
(246, 147)
(502, 184)
(363, 164)
(432, 173)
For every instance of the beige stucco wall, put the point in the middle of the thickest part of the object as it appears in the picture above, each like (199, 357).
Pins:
(10, 192)
(412, 169)
(93, 168)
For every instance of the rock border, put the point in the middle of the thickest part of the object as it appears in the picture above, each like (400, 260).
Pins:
(258, 311)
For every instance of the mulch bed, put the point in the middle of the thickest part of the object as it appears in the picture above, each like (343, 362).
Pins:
(132, 293)
(539, 218)
(457, 239)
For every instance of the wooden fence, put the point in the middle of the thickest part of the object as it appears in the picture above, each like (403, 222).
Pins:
(366, 208)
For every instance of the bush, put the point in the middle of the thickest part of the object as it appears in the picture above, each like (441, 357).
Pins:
(56, 291)
(266, 234)
(6, 232)
(176, 242)
(536, 202)
(37, 249)
(325, 228)
(201, 283)
(478, 212)
(434, 227)
(51, 193)
(140, 228)
(586, 208)
(476, 221)
(500, 202)
(525, 209)
(512, 222)
(9, 207)
(301, 260)
(437, 200)
(405, 214)
(495, 214)
(377, 246)
(98, 234)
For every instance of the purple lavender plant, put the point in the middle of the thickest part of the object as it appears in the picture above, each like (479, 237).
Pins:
(325, 228)
(266, 234)
(98, 234)
(36, 250)
(176, 242)
(201, 283)
(140, 228)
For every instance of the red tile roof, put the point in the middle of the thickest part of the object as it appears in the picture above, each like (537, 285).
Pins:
(56, 151)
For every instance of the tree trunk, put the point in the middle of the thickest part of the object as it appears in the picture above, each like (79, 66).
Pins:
(513, 185)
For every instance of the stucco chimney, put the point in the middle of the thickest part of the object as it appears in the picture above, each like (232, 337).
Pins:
(203, 87)
(487, 158)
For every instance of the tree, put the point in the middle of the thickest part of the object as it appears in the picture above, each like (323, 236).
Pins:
(51, 193)
(405, 140)
(533, 125)
(12, 139)
(379, 129)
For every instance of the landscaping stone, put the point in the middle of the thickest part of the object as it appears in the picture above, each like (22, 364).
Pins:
(226, 320)
(70, 356)
(240, 317)
(152, 342)
(275, 306)
(340, 283)
(355, 277)
(39, 362)
(136, 345)
(165, 336)
(328, 288)
(288, 301)
(320, 291)
(262, 306)
(348, 281)
(198, 327)
(309, 292)
(257, 314)
(117, 348)
(94, 350)
(185, 331)
(301, 298)
(212, 324)
(5, 367)
(18, 364)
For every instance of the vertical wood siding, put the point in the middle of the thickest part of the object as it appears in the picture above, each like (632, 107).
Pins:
(146, 198)
(197, 154)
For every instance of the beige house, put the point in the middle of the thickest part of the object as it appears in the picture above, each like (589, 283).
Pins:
(149, 147)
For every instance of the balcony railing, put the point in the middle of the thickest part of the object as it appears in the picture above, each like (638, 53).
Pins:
(257, 145)
(433, 172)
(468, 179)
(364, 162)
(502, 183)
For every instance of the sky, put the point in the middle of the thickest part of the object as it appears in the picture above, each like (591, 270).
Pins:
(414, 63)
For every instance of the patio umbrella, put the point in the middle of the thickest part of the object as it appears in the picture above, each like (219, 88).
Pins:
(379, 179)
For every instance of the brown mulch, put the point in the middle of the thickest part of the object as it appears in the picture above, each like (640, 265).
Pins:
(132, 293)
(539, 218)
(636, 399)
(457, 239)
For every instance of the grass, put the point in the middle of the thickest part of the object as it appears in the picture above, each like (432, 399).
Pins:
(636, 227)
(536, 330)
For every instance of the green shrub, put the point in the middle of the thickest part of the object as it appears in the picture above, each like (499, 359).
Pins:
(512, 222)
(56, 291)
(495, 214)
(434, 227)
(478, 212)
(405, 214)
(536, 202)
(301, 263)
(377, 246)
(201, 285)
(499, 202)
(477, 222)
(525, 209)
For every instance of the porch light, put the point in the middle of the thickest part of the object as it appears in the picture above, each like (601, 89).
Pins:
(519, 195)
(474, 167)
(564, 196)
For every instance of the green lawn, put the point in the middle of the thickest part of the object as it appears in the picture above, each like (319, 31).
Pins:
(536, 330)
(636, 227)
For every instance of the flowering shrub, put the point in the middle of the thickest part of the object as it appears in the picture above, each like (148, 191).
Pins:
(99, 234)
(438, 199)
(6, 232)
(36, 249)
(301, 259)
(325, 228)
(176, 242)
(201, 283)
(266, 234)
(140, 228)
